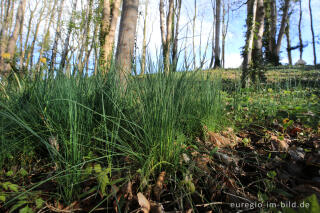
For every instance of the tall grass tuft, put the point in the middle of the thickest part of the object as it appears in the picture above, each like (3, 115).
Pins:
(69, 121)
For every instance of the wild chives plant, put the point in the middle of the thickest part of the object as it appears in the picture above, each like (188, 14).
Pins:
(69, 121)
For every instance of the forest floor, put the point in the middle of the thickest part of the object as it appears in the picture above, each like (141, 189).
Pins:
(264, 157)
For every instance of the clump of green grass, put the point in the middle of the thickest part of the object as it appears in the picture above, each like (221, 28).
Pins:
(69, 122)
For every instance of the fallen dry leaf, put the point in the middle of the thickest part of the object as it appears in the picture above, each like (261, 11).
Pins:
(279, 145)
(219, 140)
(144, 203)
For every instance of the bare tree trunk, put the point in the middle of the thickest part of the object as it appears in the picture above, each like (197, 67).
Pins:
(86, 44)
(3, 33)
(126, 39)
(217, 62)
(251, 25)
(67, 41)
(193, 35)
(16, 31)
(109, 40)
(282, 27)
(104, 27)
(300, 36)
(46, 35)
(213, 32)
(273, 31)
(144, 42)
(288, 43)
(35, 37)
(108, 29)
(224, 30)
(56, 39)
(176, 36)
(23, 52)
(257, 50)
(312, 32)
(166, 35)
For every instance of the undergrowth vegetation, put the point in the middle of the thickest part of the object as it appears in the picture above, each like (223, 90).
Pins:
(70, 139)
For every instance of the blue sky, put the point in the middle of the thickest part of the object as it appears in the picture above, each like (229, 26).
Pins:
(235, 37)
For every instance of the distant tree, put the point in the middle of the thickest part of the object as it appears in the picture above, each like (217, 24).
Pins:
(313, 37)
(126, 38)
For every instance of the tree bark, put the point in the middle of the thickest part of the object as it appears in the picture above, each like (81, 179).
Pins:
(23, 52)
(16, 31)
(166, 33)
(193, 35)
(312, 32)
(251, 25)
(144, 42)
(35, 37)
(282, 27)
(217, 62)
(213, 33)
(300, 35)
(225, 25)
(176, 36)
(126, 39)
(107, 31)
(56, 39)
(67, 41)
(288, 43)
